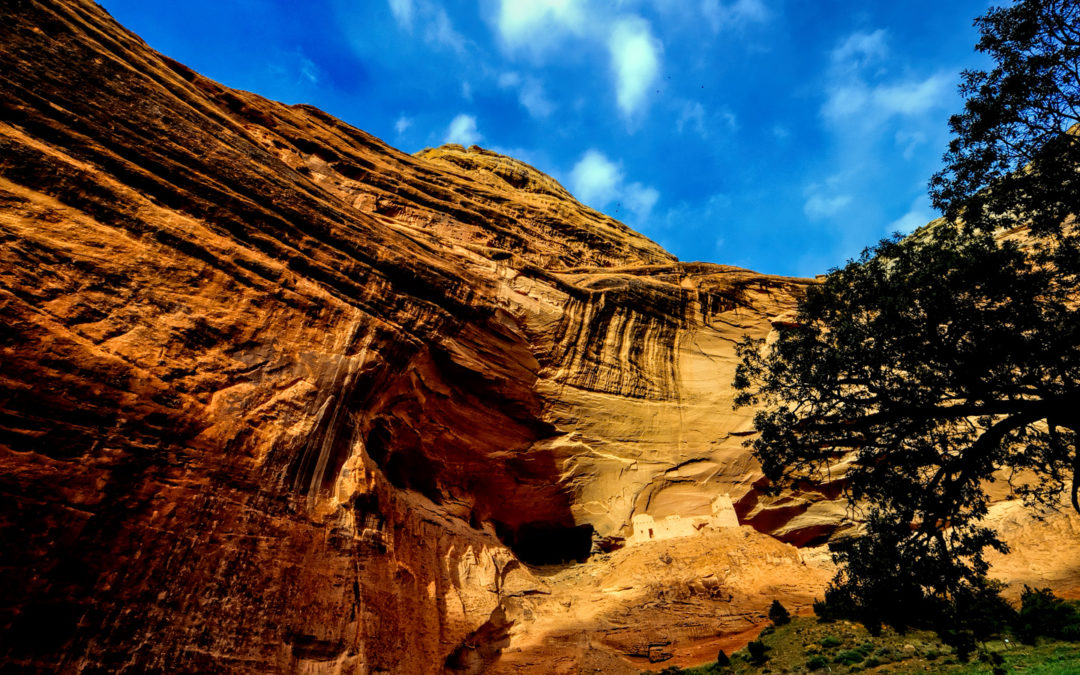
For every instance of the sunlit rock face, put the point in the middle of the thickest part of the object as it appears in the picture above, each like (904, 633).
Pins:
(275, 396)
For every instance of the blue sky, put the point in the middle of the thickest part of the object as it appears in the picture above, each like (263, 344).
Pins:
(779, 135)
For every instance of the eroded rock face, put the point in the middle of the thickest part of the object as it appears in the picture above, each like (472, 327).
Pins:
(275, 396)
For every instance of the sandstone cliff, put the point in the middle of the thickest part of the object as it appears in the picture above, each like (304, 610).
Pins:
(275, 396)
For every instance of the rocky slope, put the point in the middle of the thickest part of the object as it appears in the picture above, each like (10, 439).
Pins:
(275, 396)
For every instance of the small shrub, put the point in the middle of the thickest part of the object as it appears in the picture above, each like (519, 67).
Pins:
(722, 659)
(872, 662)
(962, 641)
(849, 657)
(778, 614)
(757, 651)
(767, 630)
(1043, 613)
(981, 610)
(816, 662)
(829, 641)
(824, 612)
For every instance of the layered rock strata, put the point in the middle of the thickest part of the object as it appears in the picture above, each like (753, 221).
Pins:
(275, 396)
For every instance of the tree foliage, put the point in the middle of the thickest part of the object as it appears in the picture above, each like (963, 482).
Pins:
(1009, 151)
(778, 614)
(1043, 613)
(921, 370)
(942, 361)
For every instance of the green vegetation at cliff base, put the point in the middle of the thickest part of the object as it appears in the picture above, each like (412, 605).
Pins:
(807, 645)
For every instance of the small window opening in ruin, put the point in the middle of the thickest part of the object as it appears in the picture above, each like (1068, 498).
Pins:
(650, 533)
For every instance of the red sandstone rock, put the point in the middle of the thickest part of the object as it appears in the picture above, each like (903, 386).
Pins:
(275, 396)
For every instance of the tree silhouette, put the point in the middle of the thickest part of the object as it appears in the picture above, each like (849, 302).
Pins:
(939, 362)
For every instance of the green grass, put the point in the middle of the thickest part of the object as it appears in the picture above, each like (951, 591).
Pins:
(808, 646)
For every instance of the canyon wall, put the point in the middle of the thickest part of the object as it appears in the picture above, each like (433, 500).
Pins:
(275, 396)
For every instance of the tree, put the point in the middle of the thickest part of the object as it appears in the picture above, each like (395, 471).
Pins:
(949, 358)
(778, 614)
(1009, 152)
(757, 650)
(722, 659)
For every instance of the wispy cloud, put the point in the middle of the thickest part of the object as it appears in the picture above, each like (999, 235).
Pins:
(854, 92)
(635, 60)
(536, 25)
(691, 117)
(402, 124)
(826, 199)
(436, 28)
(595, 179)
(440, 31)
(308, 70)
(599, 182)
(919, 214)
(694, 117)
(722, 15)
(530, 91)
(819, 206)
(861, 49)
(909, 141)
(403, 12)
(463, 130)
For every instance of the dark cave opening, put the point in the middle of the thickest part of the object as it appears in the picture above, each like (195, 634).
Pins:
(541, 543)
(401, 459)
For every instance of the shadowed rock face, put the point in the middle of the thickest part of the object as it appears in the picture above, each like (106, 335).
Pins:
(275, 396)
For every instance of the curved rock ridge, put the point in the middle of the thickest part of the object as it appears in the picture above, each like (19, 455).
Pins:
(277, 397)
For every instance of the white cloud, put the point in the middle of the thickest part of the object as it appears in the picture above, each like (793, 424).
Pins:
(879, 102)
(912, 98)
(691, 116)
(818, 206)
(531, 93)
(402, 124)
(308, 70)
(403, 12)
(597, 181)
(721, 15)
(849, 94)
(640, 200)
(908, 141)
(463, 130)
(845, 101)
(534, 99)
(861, 49)
(729, 120)
(635, 59)
(536, 24)
(918, 215)
(440, 31)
